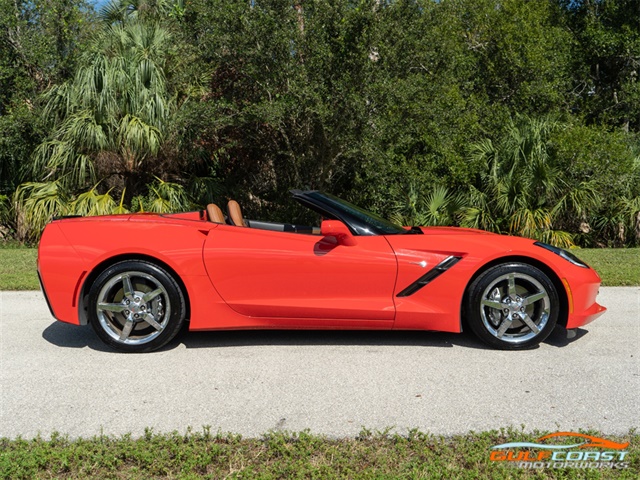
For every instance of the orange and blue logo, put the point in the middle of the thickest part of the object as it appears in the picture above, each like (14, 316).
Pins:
(576, 454)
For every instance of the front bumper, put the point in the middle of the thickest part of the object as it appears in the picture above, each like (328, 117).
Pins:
(581, 294)
(588, 316)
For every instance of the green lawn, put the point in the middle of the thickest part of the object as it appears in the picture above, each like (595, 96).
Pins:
(615, 266)
(18, 269)
(286, 455)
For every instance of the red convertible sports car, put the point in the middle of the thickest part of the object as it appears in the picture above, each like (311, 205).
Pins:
(137, 278)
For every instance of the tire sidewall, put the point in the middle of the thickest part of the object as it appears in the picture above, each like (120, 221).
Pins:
(175, 297)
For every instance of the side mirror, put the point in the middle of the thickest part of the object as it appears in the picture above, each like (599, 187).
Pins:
(337, 229)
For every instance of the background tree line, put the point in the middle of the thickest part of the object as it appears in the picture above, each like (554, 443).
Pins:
(514, 116)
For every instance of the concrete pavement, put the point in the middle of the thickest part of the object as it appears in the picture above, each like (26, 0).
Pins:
(55, 376)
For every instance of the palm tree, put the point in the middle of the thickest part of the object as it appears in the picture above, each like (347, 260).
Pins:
(112, 118)
(109, 124)
(522, 191)
(121, 11)
(618, 223)
(439, 206)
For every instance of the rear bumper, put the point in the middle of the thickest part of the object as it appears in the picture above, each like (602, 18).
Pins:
(44, 292)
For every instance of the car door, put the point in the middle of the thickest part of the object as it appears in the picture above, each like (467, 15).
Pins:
(284, 275)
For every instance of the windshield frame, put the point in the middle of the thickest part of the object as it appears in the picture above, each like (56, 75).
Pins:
(359, 220)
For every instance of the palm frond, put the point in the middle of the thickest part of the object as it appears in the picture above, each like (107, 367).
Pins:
(439, 206)
(120, 208)
(114, 11)
(5, 208)
(93, 203)
(35, 205)
(166, 197)
(580, 199)
(558, 238)
(528, 223)
(479, 212)
(58, 159)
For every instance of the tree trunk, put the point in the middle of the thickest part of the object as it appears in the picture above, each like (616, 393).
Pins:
(300, 14)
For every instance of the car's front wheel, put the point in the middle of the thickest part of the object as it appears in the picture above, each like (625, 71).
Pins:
(512, 306)
(136, 306)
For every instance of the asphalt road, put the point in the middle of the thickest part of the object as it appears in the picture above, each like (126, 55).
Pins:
(58, 377)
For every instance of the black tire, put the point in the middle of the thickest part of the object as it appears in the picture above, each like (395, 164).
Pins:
(137, 315)
(512, 306)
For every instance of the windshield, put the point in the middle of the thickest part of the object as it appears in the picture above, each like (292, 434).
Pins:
(383, 227)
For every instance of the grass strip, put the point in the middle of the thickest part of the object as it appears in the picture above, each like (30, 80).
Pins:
(288, 455)
(616, 266)
(18, 269)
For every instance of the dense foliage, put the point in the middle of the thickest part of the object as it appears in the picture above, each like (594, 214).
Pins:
(518, 117)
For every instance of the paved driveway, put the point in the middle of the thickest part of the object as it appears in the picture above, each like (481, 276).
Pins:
(55, 376)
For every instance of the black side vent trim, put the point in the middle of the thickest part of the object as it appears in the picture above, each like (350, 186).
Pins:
(431, 275)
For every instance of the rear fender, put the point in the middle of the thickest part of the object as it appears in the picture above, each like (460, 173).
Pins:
(61, 270)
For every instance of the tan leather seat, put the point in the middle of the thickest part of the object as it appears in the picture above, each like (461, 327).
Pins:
(235, 214)
(215, 214)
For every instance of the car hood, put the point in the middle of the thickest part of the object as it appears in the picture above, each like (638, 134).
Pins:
(462, 241)
(454, 231)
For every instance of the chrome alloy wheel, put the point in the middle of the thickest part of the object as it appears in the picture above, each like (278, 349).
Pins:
(133, 308)
(515, 307)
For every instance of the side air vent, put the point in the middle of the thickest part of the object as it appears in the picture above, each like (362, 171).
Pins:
(431, 275)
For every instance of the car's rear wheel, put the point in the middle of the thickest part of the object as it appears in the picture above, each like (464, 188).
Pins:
(512, 306)
(136, 306)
